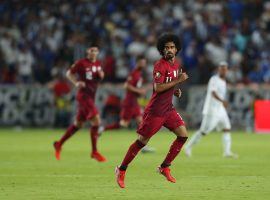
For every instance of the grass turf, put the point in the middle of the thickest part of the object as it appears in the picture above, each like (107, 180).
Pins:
(28, 169)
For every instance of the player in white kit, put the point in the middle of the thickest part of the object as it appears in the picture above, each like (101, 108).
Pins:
(214, 113)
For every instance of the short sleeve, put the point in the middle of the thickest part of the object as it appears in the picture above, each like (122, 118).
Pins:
(75, 67)
(99, 66)
(212, 85)
(129, 79)
(158, 74)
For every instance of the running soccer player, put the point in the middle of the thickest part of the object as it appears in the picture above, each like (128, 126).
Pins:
(85, 75)
(160, 111)
(214, 113)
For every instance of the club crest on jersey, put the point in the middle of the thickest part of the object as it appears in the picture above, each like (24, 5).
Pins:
(157, 74)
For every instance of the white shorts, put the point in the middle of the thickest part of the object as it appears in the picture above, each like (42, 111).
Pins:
(211, 122)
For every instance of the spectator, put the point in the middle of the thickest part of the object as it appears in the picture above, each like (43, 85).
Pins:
(237, 31)
(25, 63)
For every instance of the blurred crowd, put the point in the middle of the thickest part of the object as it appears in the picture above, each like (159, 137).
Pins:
(39, 40)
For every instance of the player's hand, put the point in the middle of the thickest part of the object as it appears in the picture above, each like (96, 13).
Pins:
(142, 92)
(80, 84)
(101, 74)
(225, 104)
(182, 77)
(177, 93)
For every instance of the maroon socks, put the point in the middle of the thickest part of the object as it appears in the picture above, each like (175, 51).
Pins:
(131, 154)
(112, 126)
(174, 151)
(94, 137)
(70, 131)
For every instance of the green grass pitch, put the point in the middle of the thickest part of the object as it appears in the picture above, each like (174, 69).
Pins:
(28, 169)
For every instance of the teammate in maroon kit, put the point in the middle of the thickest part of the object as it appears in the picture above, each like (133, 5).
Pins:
(130, 108)
(85, 74)
(160, 111)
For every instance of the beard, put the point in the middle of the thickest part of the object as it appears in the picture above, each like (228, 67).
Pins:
(169, 55)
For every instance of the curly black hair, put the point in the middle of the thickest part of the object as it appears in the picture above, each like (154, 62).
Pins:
(165, 38)
(93, 44)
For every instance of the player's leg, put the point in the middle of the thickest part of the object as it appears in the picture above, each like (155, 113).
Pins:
(175, 149)
(71, 130)
(95, 123)
(149, 126)
(132, 152)
(126, 116)
(80, 118)
(113, 126)
(208, 124)
(143, 137)
(121, 124)
(176, 124)
(146, 148)
(225, 125)
(124, 122)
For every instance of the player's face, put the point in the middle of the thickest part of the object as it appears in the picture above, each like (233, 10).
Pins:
(169, 50)
(92, 52)
(142, 63)
(223, 71)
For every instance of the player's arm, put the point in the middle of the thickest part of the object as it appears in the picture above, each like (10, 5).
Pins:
(161, 87)
(72, 77)
(131, 88)
(100, 73)
(214, 94)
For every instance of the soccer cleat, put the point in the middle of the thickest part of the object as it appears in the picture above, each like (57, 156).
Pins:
(57, 148)
(120, 177)
(97, 156)
(147, 149)
(167, 173)
(230, 155)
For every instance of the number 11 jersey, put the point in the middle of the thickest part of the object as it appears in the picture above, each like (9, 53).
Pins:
(164, 72)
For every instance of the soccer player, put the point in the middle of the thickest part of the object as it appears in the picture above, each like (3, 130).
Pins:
(214, 113)
(85, 75)
(160, 111)
(130, 106)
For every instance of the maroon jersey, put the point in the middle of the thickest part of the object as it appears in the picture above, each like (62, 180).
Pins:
(134, 79)
(87, 72)
(164, 72)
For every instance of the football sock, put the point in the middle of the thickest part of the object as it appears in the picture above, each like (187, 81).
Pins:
(174, 150)
(94, 137)
(131, 154)
(194, 139)
(227, 141)
(70, 131)
(112, 126)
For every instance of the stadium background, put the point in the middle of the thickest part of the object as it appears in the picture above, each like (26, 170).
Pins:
(39, 40)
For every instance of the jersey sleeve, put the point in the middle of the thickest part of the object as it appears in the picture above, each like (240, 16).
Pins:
(158, 73)
(129, 79)
(75, 68)
(212, 85)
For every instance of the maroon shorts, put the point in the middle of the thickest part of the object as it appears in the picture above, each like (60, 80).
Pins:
(130, 112)
(152, 123)
(86, 108)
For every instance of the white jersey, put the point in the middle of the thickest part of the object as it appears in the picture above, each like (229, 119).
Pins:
(212, 106)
